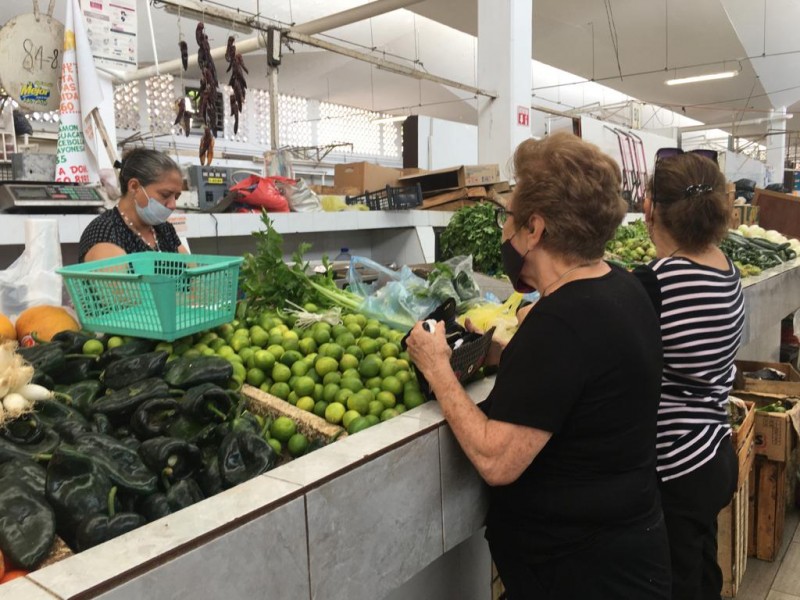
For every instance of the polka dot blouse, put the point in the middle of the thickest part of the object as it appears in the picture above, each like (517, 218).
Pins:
(110, 228)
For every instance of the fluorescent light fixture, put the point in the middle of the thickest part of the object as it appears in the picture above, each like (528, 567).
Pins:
(699, 78)
(396, 119)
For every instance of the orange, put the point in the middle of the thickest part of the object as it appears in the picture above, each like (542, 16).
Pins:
(7, 330)
(44, 321)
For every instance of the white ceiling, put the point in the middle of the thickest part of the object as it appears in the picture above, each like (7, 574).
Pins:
(656, 39)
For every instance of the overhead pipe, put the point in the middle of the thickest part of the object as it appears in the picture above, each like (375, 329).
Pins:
(340, 19)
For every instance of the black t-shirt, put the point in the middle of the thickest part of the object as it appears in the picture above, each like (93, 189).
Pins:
(110, 228)
(586, 366)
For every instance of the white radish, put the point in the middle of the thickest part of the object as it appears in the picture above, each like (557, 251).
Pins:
(35, 393)
(16, 404)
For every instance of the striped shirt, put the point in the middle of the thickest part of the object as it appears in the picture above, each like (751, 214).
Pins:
(701, 316)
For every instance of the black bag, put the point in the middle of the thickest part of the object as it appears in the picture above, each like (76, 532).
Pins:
(469, 349)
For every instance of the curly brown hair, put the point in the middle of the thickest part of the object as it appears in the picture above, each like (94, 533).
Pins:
(575, 188)
(690, 200)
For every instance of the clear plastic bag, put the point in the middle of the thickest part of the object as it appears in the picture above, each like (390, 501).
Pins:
(301, 198)
(395, 298)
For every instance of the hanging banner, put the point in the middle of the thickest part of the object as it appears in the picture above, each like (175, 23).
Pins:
(77, 149)
(111, 28)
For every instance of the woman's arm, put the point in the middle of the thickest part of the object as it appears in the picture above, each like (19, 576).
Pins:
(103, 250)
(500, 451)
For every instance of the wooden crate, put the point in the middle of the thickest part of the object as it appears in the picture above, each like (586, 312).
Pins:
(498, 589)
(743, 440)
(767, 508)
(732, 524)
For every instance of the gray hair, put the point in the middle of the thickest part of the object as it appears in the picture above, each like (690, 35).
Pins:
(148, 166)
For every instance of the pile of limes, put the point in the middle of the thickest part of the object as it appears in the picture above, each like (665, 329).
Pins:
(352, 374)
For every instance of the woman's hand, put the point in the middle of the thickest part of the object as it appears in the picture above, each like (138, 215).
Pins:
(429, 350)
(495, 349)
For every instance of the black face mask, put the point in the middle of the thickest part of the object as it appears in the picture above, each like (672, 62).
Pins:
(513, 262)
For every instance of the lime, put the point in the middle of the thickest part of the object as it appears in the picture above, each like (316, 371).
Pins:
(276, 350)
(255, 377)
(280, 389)
(305, 403)
(313, 374)
(357, 425)
(281, 373)
(410, 386)
(282, 429)
(372, 420)
(368, 395)
(367, 345)
(264, 360)
(375, 408)
(360, 319)
(160, 347)
(318, 389)
(292, 398)
(275, 339)
(352, 384)
(259, 336)
(381, 341)
(348, 361)
(191, 353)
(372, 329)
(276, 445)
(349, 416)
(307, 345)
(404, 377)
(389, 413)
(275, 331)
(114, 341)
(239, 341)
(290, 357)
(334, 413)
(355, 351)
(291, 344)
(351, 374)
(210, 352)
(375, 391)
(239, 370)
(343, 395)
(265, 321)
(93, 347)
(329, 392)
(319, 408)
(413, 399)
(338, 330)
(325, 365)
(400, 408)
(241, 332)
(304, 386)
(322, 336)
(370, 365)
(332, 377)
(332, 350)
(389, 349)
(345, 339)
(348, 319)
(387, 399)
(358, 403)
(373, 382)
(392, 384)
(264, 387)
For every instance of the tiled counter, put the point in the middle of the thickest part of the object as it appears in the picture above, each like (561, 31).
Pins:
(394, 512)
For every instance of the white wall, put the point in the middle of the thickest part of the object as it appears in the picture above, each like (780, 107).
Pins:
(446, 143)
(739, 166)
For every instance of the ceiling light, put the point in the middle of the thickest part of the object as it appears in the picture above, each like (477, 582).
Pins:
(699, 78)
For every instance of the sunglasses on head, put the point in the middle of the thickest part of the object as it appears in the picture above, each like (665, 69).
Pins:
(692, 190)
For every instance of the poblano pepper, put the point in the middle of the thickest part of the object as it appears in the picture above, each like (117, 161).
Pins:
(43, 379)
(10, 450)
(210, 478)
(242, 456)
(121, 463)
(154, 417)
(76, 487)
(76, 368)
(84, 393)
(44, 358)
(71, 342)
(184, 493)
(25, 470)
(207, 402)
(154, 507)
(172, 458)
(96, 529)
(63, 419)
(101, 424)
(25, 429)
(133, 347)
(187, 373)
(127, 371)
(119, 405)
(27, 525)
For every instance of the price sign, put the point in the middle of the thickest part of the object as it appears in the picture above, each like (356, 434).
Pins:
(30, 61)
(523, 116)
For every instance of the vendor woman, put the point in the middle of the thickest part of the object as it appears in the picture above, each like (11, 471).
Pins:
(151, 183)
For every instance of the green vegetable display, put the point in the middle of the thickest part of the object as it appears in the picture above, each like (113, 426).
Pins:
(473, 230)
(127, 371)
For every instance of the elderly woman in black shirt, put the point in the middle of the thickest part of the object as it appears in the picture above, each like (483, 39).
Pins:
(151, 183)
(567, 441)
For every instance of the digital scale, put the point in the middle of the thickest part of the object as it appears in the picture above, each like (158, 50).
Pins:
(211, 183)
(29, 196)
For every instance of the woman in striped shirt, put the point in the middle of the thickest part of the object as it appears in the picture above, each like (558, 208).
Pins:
(697, 293)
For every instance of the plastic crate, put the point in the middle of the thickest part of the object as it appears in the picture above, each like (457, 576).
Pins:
(155, 295)
(390, 198)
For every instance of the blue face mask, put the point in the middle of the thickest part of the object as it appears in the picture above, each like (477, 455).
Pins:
(154, 213)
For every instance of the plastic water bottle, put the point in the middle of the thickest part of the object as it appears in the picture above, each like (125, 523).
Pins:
(343, 256)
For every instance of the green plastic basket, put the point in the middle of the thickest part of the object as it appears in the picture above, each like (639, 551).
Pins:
(157, 295)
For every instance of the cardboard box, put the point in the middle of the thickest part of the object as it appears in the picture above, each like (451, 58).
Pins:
(767, 508)
(775, 433)
(788, 387)
(454, 177)
(732, 540)
(364, 176)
